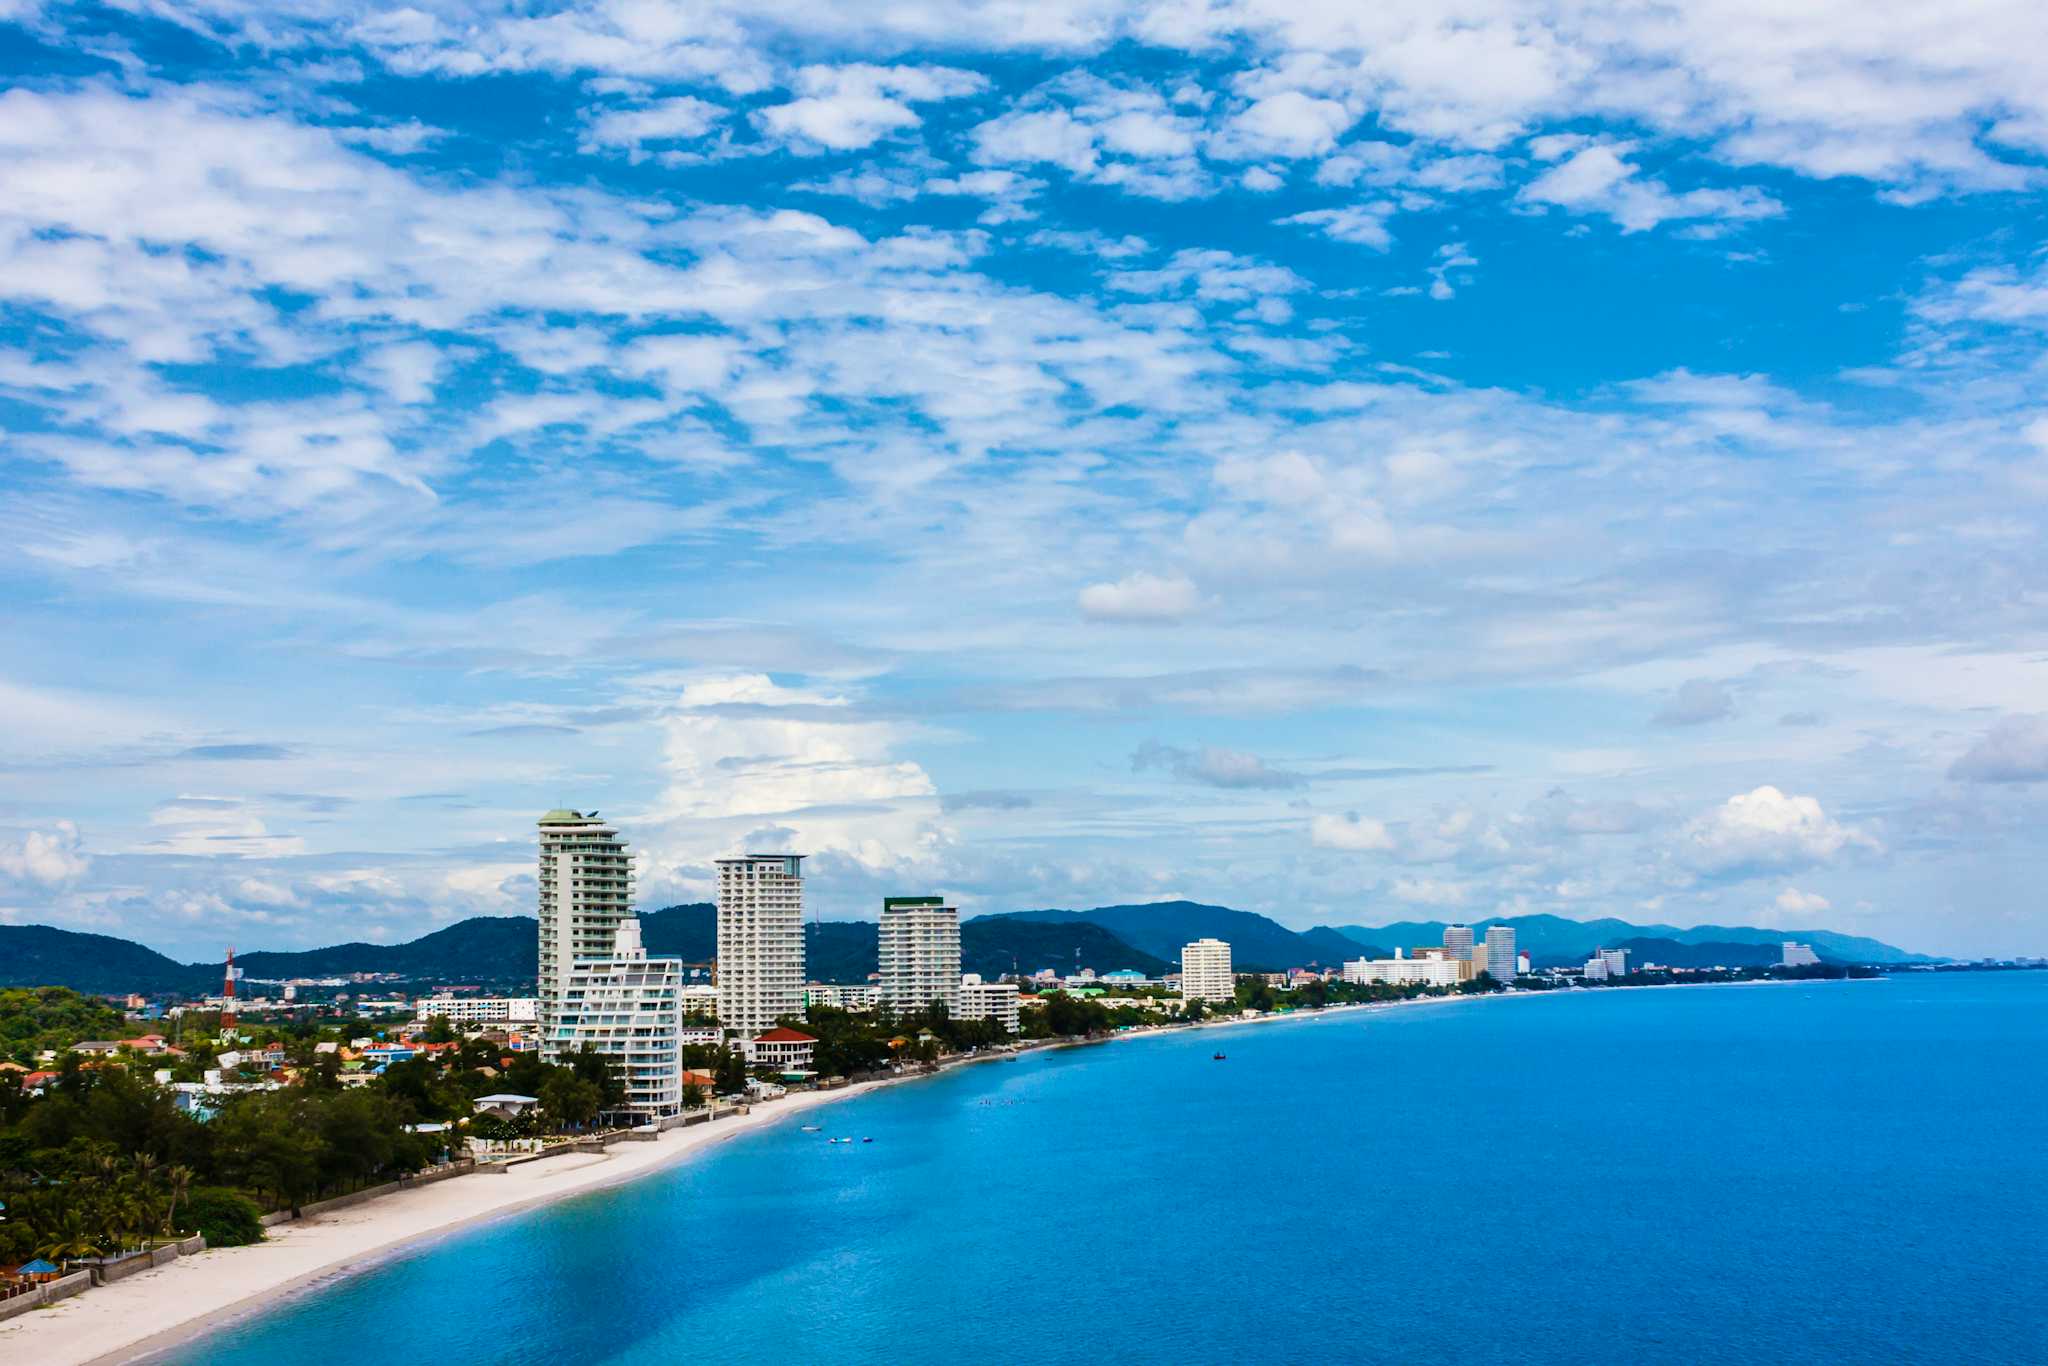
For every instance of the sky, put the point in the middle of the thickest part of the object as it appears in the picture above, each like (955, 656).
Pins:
(1424, 460)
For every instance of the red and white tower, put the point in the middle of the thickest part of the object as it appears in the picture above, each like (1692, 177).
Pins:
(227, 994)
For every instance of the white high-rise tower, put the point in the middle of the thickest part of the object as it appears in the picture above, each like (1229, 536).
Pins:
(1500, 953)
(1458, 941)
(1205, 971)
(920, 954)
(586, 889)
(760, 941)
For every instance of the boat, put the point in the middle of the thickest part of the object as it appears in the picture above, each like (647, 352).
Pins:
(867, 1140)
(812, 1128)
(1215, 1057)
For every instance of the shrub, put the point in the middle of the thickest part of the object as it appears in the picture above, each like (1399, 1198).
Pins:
(225, 1217)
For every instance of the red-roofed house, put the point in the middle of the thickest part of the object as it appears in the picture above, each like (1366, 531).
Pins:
(782, 1048)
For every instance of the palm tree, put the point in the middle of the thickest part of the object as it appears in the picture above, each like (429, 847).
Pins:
(179, 1179)
(68, 1240)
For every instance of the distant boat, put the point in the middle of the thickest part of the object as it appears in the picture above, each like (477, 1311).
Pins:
(867, 1140)
(1215, 1057)
(812, 1128)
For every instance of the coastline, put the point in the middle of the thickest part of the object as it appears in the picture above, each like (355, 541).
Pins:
(157, 1310)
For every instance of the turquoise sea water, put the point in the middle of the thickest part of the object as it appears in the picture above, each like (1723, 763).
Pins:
(1843, 1172)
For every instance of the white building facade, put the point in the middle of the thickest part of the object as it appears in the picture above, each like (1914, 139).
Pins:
(586, 891)
(1798, 956)
(1433, 972)
(1205, 973)
(1500, 953)
(919, 943)
(996, 1001)
(760, 941)
(1458, 940)
(842, 997)
(624, 1006)
(479, 1010)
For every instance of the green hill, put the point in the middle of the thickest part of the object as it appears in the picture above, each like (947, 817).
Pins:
(1161, 928)
(43, 955)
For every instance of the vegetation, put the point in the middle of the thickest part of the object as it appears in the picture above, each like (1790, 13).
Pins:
(36, 1018)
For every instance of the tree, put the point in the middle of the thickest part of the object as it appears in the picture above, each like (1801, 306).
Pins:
(732, 1074)
(693, 1096)
(569, 1100)
(439, 1030)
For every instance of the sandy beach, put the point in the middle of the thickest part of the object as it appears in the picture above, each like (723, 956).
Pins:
(156, 1309)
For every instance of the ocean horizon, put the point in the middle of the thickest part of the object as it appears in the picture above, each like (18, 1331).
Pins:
(1815, 1171)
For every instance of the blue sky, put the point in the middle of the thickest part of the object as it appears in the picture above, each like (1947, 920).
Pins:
(1451, 460)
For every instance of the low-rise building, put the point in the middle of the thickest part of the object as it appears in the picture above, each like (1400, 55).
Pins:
(782, 1048)
(839, 997)
(996, 1001)
(478, 1010)
(1437, 970)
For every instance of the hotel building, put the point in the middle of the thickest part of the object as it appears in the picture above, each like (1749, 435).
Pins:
(996, 1001)
(1437, 970)
(1500, 953)
(586, 890)
(1458, 940)
(919, 942)
(1205, 971)
(624, 1006)
(760, 941)
(1798, 956)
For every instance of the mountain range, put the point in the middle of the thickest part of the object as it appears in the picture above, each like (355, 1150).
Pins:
(502, 949)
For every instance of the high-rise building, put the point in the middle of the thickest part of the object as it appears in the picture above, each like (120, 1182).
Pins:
(1798, 956)
(919, 942)
(586, 889)
(996, 1001)
(1205, 971)
(1458, 939)
(624, 1006)
(1500, 953)
(760, 941)
(1616, 960)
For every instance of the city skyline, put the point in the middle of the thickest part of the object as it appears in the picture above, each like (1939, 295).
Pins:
(1439, 464)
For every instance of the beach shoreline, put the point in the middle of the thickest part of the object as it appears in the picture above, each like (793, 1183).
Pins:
(155, 1311)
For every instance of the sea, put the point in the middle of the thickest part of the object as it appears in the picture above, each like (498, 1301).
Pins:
(1824, 1172)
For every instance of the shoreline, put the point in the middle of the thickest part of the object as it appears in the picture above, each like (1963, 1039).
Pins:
(157, 1310)
(197, 1295)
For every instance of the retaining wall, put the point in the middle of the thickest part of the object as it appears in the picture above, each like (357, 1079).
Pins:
(49, 1292)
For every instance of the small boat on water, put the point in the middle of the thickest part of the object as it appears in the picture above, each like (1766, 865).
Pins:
(1215, 1057)
(867, 1140)
(812, 1128)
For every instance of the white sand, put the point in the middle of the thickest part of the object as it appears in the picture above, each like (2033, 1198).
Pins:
(154, 1309)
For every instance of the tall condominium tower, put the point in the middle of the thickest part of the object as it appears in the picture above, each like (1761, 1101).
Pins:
(1500, 953)
(920, 949)
(586, 889)
(624, 1005)
(1458, 939)
(760, 941)
(1205, 971)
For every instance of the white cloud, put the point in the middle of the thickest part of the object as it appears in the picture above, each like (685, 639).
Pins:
(1599, 179)
(1697, 701)
(1792, 901)
(48, 858)
(1428, 891)
(1766, 830)
(1141, 597)
(1212, 766)
(2015, 750)
(1351, 832)
(844, 108)
(1362, 224)
(1286, 123)
(683, 118)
